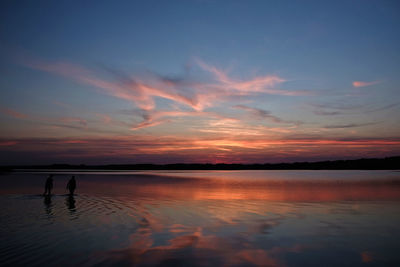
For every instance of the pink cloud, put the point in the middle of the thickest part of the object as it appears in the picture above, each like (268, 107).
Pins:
(362, 84)
(148, 123)
(74, 120)
(196, 95)
(226, 148)
(261, 84)
(13, 113)
(153, 118)
(260, 113)
(133, 90)
(259, 143)
(104, 118)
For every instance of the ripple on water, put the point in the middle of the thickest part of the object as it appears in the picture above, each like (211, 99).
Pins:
(36, 231)
(235, 225)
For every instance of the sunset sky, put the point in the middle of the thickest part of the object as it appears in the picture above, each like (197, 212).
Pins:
(99, 82)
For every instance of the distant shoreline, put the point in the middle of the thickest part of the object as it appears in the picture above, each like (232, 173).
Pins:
(389, 163)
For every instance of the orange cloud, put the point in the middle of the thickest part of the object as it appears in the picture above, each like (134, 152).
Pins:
(196, 95)
(129, 89)
(362, 84)
(262, 84)
(140, 93)
(228, 149)
(148, 123)
(153, 118)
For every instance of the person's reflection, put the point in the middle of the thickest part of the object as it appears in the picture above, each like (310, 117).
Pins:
(47, 204)
(70, 202)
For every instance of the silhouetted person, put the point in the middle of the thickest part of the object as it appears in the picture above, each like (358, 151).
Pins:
(49, 185)
(71, 185)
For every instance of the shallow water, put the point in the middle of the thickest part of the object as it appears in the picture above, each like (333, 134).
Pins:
(203, 218)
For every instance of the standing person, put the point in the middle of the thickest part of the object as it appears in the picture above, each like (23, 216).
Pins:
(48, 185)
(71, 185)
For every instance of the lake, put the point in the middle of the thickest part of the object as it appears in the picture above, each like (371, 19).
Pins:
(202, 218)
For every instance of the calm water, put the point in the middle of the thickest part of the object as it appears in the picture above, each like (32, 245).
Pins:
(203, 218)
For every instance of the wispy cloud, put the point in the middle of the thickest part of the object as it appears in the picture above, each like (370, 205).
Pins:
(142, 91)
(331, 109)
(350, 125)
(256, 149)
(13, 113)
(260, 113)
(106, 119)
(128, 88)
(263, 114)
(62, 122)
(342, 105)
(264, 84)
(335, 108)
(148, 123)
(153, 118)
(384, 107)
(326, 113)
(80, 121)
(363, 83)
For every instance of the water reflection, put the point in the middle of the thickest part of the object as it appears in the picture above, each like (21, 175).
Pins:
(70, 203)
(268, 190)
(47, 204)
(254, 223)
(195, 249)
(146, 220)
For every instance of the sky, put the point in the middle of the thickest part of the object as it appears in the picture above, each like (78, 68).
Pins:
(109, 82)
